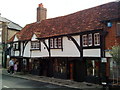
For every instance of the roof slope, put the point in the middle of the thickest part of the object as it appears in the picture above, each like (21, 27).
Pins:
(85, 20)
(11, 24)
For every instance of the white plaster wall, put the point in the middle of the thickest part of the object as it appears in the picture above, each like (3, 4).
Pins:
(69, 48)
(15, 39)
(17, 53)
(12, 52)
(21, 48)
(91, 53)
(27, 50)
(42, 53)
(33, 37)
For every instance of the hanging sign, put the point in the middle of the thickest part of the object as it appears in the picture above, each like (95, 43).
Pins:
(104, 60)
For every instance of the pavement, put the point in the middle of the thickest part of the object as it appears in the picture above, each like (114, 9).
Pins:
(56, 81)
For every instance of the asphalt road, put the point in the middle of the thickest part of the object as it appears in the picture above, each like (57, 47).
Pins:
(18, 83)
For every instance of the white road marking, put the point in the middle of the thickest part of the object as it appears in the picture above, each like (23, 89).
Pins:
(6, 87)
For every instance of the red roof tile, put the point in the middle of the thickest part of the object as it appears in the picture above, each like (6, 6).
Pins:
(85, 20)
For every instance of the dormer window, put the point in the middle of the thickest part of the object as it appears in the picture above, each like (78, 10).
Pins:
(96, 39)
(35, 45)
(56, 43)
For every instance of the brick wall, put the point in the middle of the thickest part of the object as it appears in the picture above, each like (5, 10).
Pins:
(111, 37)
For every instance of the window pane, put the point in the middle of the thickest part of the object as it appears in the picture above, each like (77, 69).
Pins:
(85, 40)
(51, 43)
(118, 29)
(59, 42)
(96, 39)
(90, 39)
(56, 42)
(35, 45)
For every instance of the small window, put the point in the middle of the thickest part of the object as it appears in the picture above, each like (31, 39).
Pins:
(85, 41)
(89, 39)
(59, 42)
(56, 43)
(51, 43)
(35, 45)
(96, 39)
(118, 29)
(16, 46)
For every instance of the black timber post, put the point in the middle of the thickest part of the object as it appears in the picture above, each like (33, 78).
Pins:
(77, 45)
(24, 45)
(103, 65)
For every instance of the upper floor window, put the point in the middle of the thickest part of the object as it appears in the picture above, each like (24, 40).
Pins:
(85, 40)
(16, 46)
(96, 39)
(118, 29)
(89, 39)
(35, 45)
(56, 43)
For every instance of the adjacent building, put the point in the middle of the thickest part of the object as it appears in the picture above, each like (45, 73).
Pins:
(75, 46)
(7, 30)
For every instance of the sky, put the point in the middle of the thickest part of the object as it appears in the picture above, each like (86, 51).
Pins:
(23, 12)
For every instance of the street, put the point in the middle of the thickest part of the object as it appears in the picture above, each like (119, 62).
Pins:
(18, 83)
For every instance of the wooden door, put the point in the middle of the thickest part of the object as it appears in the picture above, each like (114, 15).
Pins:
(71, 71)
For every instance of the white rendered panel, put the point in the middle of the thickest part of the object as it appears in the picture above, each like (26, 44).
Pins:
(91, 53)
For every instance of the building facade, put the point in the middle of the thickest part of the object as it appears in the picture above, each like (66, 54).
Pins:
(71, 47)
(7, 30)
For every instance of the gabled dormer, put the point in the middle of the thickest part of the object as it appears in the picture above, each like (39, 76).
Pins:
(35, 43)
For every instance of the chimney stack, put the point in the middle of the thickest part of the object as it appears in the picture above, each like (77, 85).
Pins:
(41, 13)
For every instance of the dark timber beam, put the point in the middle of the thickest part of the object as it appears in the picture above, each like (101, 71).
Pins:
(48, 49)
(77, 45)
(24, 45)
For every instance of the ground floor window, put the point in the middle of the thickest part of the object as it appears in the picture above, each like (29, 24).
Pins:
(92, 67)
(60, 66)
(114, 69)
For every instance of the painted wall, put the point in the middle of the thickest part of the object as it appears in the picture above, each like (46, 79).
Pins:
(27, 50)
(69, 48)
(41, 53)
(91, 53)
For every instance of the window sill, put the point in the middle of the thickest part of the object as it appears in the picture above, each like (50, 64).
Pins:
(56, 48)
(34, 49)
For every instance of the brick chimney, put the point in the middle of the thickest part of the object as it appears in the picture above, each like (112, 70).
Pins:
(41, 13)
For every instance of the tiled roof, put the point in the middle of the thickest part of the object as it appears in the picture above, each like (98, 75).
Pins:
(85, 20)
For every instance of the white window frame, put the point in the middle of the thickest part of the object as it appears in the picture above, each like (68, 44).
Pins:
(35, 45)
(96, 39)
(84, 40)
(16, 46)
(56, 43)
(90, 40)
(51, 43)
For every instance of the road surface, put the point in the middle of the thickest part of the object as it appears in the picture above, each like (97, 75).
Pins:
(18, 83)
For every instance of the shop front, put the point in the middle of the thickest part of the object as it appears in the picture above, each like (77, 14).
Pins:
(93, 70)
(60, 68)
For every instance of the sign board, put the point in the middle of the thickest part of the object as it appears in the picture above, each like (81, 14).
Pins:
(104, 60)
(109, 24)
